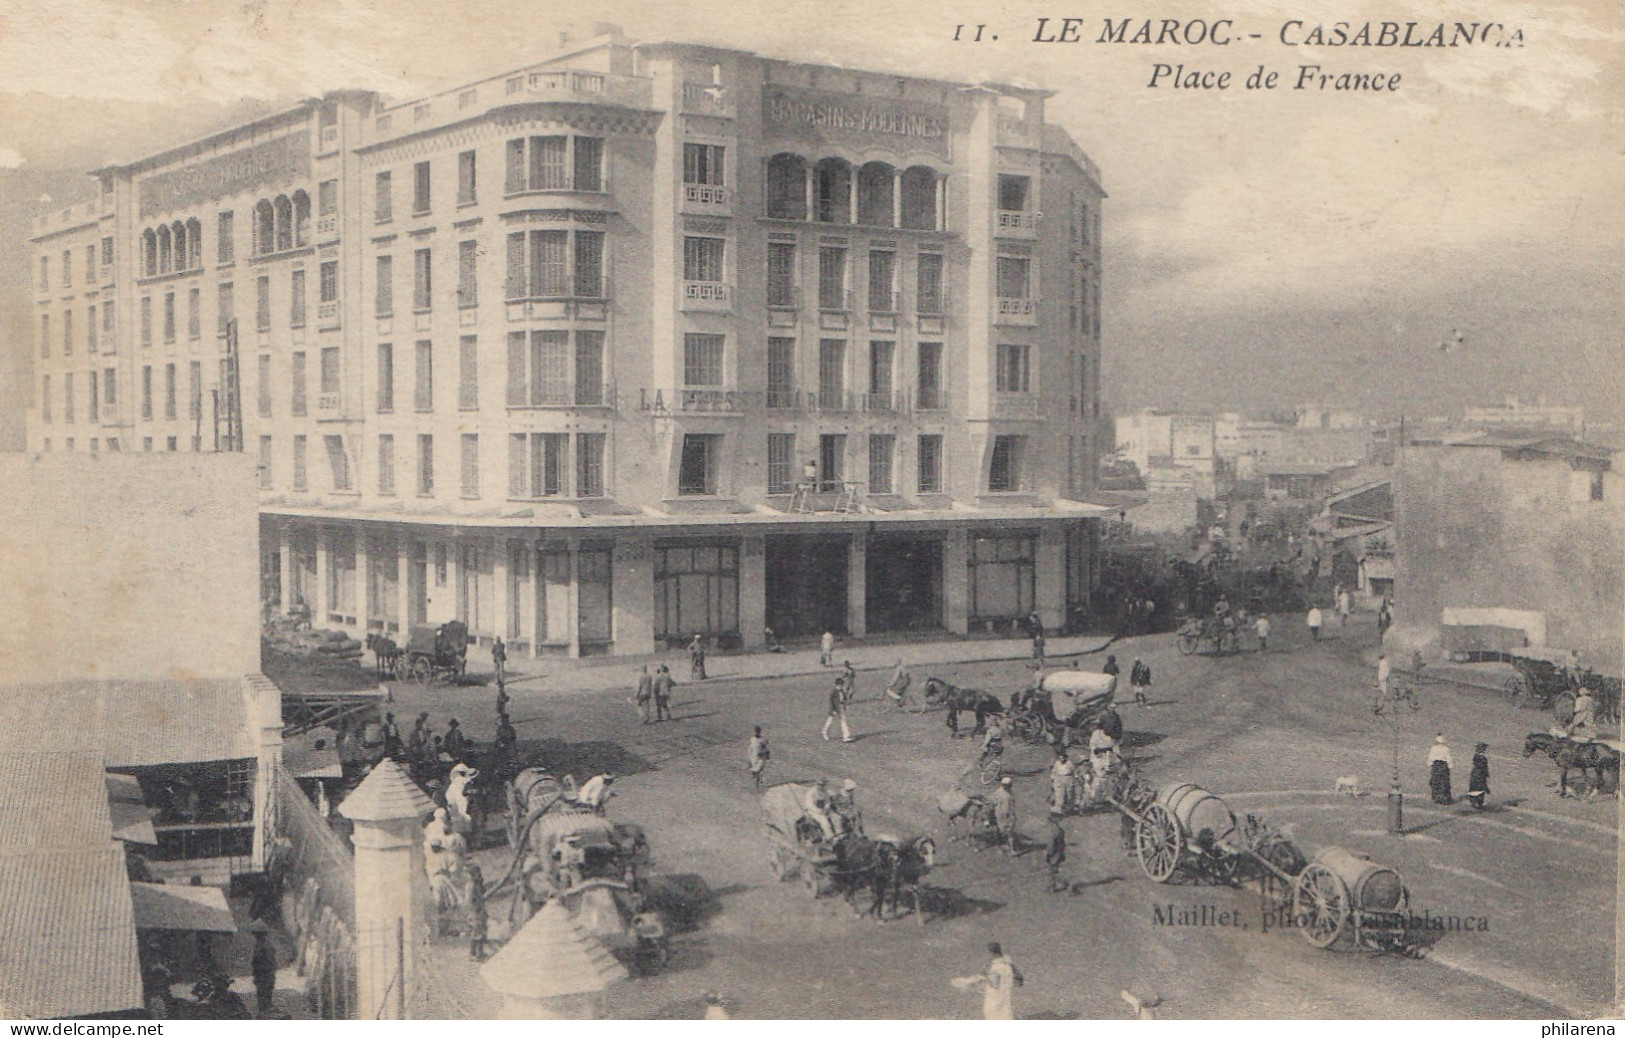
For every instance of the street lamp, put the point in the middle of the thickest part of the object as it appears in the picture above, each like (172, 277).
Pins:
(1388, 703)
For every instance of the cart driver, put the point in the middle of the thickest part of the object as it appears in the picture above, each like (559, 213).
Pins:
(1585, 710)
(992, 740)
(815, 805)
(1102, 748)
(844, 806)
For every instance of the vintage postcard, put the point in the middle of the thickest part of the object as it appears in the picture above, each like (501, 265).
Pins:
(818, 510)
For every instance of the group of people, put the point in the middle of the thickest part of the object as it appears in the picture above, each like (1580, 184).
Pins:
(1439, 765)
(654, 690)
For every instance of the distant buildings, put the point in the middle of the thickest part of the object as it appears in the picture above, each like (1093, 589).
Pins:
(1526, 415)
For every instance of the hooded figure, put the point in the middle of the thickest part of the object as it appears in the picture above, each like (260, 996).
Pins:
(1478, 780)
(1439, 771)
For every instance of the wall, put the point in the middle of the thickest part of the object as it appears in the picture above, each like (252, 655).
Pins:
(1473, 530)
(129, 566)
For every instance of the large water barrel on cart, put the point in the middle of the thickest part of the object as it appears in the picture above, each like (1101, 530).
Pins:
(1342, 895)
(1201, 814)
(1182, 817)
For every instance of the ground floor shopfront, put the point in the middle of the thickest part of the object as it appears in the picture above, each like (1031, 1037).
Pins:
(631, 589)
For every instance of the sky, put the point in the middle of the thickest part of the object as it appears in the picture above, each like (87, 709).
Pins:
(1261, 248)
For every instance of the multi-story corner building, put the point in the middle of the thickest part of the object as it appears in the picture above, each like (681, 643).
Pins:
(634, 343)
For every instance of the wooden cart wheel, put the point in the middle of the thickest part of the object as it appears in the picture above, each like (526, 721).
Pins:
(992, 770)
(403, 667)
(1187, 643)
(1159, 842)
(1320, 906)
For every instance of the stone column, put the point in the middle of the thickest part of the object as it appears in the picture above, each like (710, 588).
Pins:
(264, 707)
(573, 620)
(391, 906)
(284, 561)
(363, 576)
(897, 198)
(403, 592)
(1049, 579)
(812, 193)
(324, 601)
(452, 597)
(857, 572)
(956, 580)
(752, 589)
(502, 591)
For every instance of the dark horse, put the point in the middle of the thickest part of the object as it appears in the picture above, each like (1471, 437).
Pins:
(385, 653)
(956, 699)
(1575, 756)
(902, 868)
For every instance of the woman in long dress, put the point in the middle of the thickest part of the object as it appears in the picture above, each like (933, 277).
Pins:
(1439, 771)
(1478, 781)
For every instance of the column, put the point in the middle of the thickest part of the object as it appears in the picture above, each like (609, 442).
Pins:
(897, 198)
(573, 620)
(857, 597)
(363, 577)
(264, 703)
(324, 601)
(633, 594)
(391, 907)
(403, 586)
(451, 596)
(752, 589)
(942, 203)
(285, 568)
(1049, 578)
(812, 213)
(956, 580)
(852, 196)
(502, 593)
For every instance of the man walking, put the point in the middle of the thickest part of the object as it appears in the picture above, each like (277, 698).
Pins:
(1342, 606)
(646, 694)
(1262, 629)
(1314, 622)
(899, 683)
(1003, 803)
(696, 658)
(263, 966)
(1055, 856)
(1140, 679)
(1439, 764)
(837, 709)
(499, 661)
(663, 685)
(757, 755)
(849, 676)
(1384, 669)
(826, 650)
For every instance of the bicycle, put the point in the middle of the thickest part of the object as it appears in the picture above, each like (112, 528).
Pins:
(990, 765)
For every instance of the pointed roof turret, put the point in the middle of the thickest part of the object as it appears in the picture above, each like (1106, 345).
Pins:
(552, 955)
(387, 794)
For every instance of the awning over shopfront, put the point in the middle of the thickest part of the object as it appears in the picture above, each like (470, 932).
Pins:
(132, 819)
(160, 906)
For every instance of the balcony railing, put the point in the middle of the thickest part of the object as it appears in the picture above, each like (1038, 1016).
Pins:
(707, 295)
(1008, 310)
(1017, 405)
(737, 401)
(327, 402)
(705, 194)
(1016, 224)
(707, 99)
(327, 315)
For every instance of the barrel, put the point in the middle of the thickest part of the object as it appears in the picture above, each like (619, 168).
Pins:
(1373, 887)
(1197, 809)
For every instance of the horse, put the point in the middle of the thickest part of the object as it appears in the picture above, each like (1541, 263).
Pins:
(904, 864)
(385, 653)
(957, 699)
(1569, 755)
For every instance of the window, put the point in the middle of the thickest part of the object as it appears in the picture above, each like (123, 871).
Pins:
(589, 374)
(468, 373)
(696, 589)
(425, 464)
(262, 304)
(265, 463)
(540, 369)
(928, 386)
(832, 191)
(384, 299)
(45, 273)
(781, 373)
(881, 449)
(1004, 471)
(423, 391)
(146, 320)
(781, 274)
(547, 164)
(95, 400)
(831, 374)
(1013, 193)
(702, 164)
(386, 378)
(1002, 571)
(882, 284)
(832, 461)
(383, 197)
(928, 294)
(589, 164)
(468, 273)
(330, 282)
(67, 327)
(386, 464)
(702, 259)
(67, 398)
(224, 247)
(1595, 492)
(296, 299)
(171, 444)
(194, 390)
(90, 264)
(590, 464)
(194, 314)
(45, 398)
(471, 465)
(297, 375)
(1013, 370)
(880, 374)
(327, 197)
(225, 309)
(169, 391)
(540, 266)
(44, 335)
(301, 475)
(589, 264)
(536, 464)
(422, 280)
(107, 327)
(90, 329)
(781, 453)
(338, 462)
(702, 359)
(330, 374)
(67, 268)
(832, 278)
(1013, 282)
(467, 180)
(146, 391)
(696, 471)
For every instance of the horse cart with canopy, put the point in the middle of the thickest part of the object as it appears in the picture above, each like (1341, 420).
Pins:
(1063, 708)
(796, 846)
(434, 652)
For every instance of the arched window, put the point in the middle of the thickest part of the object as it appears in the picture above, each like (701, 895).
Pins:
(787, 187)
(832, 191)
(149, 253)
(264, 228)
(178, 230)
(284, 223)
(301, 219)
(166, 252)
(194, 244)
(919, 208)
(876, 191)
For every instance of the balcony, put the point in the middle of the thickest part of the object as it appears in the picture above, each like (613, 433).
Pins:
(705, 198)
(708, 99)
(1013, 224)
(1015, 311)
(585, 87)
(580, 308)
(1018, 405)
(327, 316)
(714, 296)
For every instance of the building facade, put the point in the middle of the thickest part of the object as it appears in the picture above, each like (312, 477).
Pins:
(637, 342)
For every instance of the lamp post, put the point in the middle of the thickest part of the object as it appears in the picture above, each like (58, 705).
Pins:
(1388, 705)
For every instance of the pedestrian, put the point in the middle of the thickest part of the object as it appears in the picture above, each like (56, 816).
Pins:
(663, 685)
(1055, 856)
(1262, 629)
(1000, 982)
(1314, 622)
(757, 755)
(499, 661)
(1038, 643)
(899, 683)
(595, 793)
(1342, 606)
(826, 650)
(1439, 771)
(417, 743)
(392, 737)
(478, 920)
(696, 658)
(837, 709)
(1384, 669)
(1585, 716)
(503, 699)
(714, 1009)
(1478, 780)
(1385, 618)
(646, 694)
(456, 744)
(1110, 667)
(1003, 803)
(1060, 782)
(1139, 678)
(850, 677)
(771, 640)
(263, 966)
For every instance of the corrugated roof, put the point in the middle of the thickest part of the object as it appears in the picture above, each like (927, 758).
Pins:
(67, 935)
(57, 800)
(133, 723)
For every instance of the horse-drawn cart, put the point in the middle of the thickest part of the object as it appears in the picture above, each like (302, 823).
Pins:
(1221, 633)
(1344, 899)
(796, 846)
(434, 652)
(1063, 708)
